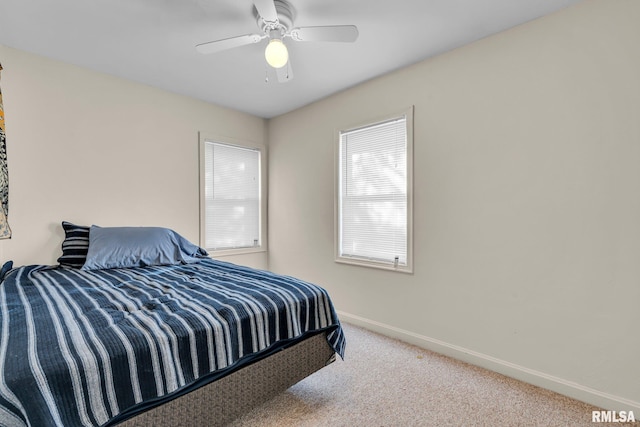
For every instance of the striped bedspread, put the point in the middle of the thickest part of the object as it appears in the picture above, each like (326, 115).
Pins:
(78, 348)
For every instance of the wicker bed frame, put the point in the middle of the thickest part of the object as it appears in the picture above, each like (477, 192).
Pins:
(221, 401)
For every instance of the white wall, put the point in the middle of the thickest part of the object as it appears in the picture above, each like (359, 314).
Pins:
(527, 203)
(94, 149)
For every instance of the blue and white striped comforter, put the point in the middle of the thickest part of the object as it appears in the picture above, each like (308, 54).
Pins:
(77, 348)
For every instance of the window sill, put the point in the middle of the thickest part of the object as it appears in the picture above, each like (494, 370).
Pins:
(231, 252)
(373, 264)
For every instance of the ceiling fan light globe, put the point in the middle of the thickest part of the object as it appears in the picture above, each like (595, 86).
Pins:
(276, 53)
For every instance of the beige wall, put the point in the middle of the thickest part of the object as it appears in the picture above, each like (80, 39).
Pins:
(527, 203)
(94, 149)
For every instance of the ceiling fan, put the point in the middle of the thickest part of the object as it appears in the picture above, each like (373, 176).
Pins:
(275, 20)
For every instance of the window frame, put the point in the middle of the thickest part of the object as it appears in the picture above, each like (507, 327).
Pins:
(205, 138)
(361, 261)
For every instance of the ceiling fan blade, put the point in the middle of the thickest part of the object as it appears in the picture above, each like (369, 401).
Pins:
(267, 10)
(285, 73)
(335, 33)
(224, 44)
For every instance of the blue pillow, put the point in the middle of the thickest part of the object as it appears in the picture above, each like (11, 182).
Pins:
(122, 247)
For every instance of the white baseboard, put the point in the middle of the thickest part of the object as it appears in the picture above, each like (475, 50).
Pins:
(567, 388)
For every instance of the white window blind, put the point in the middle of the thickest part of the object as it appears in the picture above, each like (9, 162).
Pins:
(373, 193)
(231, 196)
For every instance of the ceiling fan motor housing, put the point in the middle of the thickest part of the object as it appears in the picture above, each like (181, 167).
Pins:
(285, 19)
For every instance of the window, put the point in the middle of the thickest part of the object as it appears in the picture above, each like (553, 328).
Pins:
(374, 194)
(232, 199)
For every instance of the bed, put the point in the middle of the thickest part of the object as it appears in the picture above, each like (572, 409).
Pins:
(118, 335)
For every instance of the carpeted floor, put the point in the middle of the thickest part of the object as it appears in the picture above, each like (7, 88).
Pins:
(384, 382)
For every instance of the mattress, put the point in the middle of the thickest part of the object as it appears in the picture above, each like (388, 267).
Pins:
(89, 348)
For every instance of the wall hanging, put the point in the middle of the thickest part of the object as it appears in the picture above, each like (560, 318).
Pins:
(5, 231)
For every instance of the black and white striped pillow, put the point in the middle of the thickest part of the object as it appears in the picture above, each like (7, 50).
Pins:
(75, 245)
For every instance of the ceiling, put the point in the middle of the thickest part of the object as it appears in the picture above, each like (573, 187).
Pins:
(153, 42)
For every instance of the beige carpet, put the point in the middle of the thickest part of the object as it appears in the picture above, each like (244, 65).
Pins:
(384, 382)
